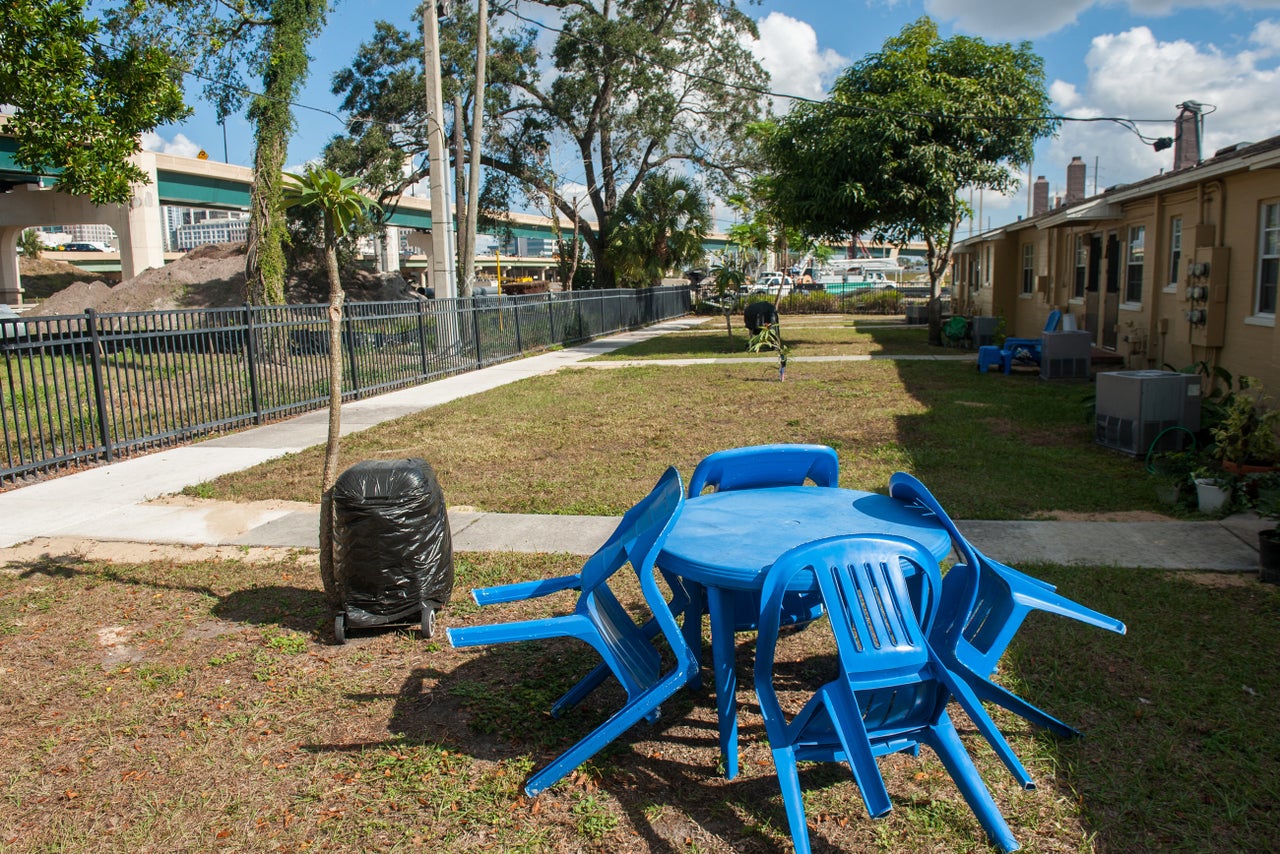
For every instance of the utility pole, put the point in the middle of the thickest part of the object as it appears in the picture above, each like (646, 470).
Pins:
(443, 266)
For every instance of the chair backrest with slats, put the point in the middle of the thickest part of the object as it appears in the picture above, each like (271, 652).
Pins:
(865, 593)
(861, 577)
(761, 466)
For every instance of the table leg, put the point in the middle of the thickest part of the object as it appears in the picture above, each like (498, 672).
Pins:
(720, 605)
(692, 628)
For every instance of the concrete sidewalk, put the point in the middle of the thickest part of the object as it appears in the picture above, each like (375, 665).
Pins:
(125, 501)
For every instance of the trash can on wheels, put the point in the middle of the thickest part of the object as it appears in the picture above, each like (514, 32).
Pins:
(392, 550)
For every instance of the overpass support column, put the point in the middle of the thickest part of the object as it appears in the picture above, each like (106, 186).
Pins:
(389, 250)
(10, 279)
(139, 224)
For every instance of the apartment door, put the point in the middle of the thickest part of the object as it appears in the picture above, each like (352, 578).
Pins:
(1093, 277)
(1111, 294)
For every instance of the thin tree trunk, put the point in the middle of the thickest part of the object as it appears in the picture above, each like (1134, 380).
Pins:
(460, 201)
(477, 134)
(328, 570)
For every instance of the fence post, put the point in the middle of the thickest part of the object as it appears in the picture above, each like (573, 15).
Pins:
(519, 301)
(251, 362)
(349, 338)
(551, 320)
(475, 330)
(422, 335)
(99, 390)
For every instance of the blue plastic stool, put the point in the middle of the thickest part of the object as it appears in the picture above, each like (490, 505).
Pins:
(992, 357)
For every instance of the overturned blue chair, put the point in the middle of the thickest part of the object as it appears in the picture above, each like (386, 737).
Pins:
(984, 603)
(891, 690)
(1027, 350)
(600, 620)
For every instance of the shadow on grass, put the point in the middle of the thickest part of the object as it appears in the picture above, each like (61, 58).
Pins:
(297, 608)
(973, 425)
(1182, 751)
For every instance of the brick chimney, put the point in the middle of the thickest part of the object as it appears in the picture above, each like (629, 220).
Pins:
(1075, 179)
(1186, 137)
(1039, 196)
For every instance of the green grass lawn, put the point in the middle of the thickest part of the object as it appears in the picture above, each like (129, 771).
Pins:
(594, 441)
(804, 335)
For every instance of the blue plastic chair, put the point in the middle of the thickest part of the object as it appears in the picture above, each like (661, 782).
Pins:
(600, 620)
(891, 691)
(761, 467)
(1028, 349)
(981, 611)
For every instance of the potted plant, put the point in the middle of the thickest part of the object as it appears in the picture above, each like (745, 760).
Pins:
(1174, 472)
(1213, 488)
(1244, 436)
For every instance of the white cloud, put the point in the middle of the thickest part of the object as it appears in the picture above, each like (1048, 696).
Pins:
(1020, 19)
(179, 145)
(1132, 74)
(1005, 19)
(788, 50)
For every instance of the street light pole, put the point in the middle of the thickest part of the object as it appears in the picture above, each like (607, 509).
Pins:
(443, 264)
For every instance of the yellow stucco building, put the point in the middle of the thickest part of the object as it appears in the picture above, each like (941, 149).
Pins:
(1176, 269)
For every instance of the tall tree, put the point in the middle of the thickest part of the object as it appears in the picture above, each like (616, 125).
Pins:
(282, 63)
(341, 205)
(660, 228)
(901, 134)
(628, 87)
(80, 103)
(229, 42)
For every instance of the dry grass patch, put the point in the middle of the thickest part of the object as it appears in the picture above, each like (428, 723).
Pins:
(198, 706)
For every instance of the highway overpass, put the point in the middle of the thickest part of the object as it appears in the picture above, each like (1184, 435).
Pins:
(29, 200)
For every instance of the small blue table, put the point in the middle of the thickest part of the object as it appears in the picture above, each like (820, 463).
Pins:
(726, 542)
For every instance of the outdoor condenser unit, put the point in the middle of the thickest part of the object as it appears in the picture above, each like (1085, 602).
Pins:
(1065, 355)
(1135, 408)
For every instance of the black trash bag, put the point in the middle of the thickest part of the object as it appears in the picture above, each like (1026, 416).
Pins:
(392, 549)
(757, 315)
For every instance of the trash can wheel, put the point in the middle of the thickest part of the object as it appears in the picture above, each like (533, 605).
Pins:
(340, 627)
(428, 622)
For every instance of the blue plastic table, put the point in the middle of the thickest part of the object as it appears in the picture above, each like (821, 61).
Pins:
(726, 541)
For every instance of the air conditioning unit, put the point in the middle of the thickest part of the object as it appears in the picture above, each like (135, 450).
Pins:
(1065, 355)
(1136, 409)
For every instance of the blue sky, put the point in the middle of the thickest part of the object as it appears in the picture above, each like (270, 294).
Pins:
(1130, 58)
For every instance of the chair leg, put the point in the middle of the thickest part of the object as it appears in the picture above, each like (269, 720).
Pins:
(987, 690)
(720, 604)
(846, 719)
(946, 743)
(784, 763)
(973, 707)
(618, 723)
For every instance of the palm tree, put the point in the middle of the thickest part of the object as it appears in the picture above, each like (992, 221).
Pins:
(660, 227)
(340, 206)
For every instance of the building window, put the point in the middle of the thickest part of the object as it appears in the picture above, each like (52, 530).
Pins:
(1028, 268)
(1268, 259)
(1082, 263)
(1175, 248)
(1135, 255)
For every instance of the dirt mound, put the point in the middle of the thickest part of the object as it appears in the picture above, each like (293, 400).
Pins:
(205, 277)
(47, 267)
(210, 276)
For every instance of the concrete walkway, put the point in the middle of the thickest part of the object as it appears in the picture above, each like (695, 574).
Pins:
(126, 501)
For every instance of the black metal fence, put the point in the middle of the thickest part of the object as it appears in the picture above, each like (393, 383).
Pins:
(92, 387)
